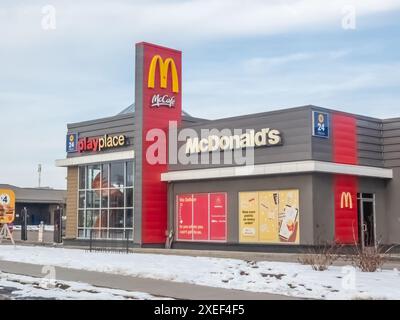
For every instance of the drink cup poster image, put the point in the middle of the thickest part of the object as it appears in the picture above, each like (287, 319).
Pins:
(269, 216)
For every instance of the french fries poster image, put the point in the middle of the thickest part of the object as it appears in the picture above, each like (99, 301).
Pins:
(269, 216)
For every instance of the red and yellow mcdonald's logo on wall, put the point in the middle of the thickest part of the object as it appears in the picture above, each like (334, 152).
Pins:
(346, 200)
(164, 67)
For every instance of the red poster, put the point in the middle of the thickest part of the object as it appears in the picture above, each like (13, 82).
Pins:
(184, 216)
(218, 216)
(200, 216)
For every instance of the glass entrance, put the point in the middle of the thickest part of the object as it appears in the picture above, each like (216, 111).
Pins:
(366, 219)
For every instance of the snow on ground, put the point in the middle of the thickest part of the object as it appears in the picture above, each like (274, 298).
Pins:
(290, 279)
(14, 286)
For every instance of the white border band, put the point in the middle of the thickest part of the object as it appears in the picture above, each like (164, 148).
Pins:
(96, 158)
(308, 166)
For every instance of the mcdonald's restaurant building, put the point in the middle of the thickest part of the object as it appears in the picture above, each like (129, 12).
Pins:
(315, 175)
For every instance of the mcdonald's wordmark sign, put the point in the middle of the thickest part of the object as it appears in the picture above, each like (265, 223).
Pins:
(158, 100)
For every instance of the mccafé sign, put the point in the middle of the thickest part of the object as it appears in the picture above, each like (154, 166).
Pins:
(101, 143)
(165, 67)
(263, 137)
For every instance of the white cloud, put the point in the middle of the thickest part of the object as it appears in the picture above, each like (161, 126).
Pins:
(178, 21)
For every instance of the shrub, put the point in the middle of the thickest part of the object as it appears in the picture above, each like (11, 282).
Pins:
(369, 259)
(320, 258)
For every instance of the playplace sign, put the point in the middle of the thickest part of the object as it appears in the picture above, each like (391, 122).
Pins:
(98, 144)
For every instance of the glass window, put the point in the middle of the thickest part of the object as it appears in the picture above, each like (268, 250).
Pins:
(106, 200)
(81, 218)
(92, 199)
(116, 198)
(116, 234)
(82, 199)
(129, 174)
(129, 218)
(116, 218)
(93, 177)
(82, 177)
(95, 234)
(129, 198)
(104, 175)
(89, 219)
(81, 233)
(117, 175)
(104, 218)
(128, 234)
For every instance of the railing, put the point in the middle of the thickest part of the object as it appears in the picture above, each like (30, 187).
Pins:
(116, 242)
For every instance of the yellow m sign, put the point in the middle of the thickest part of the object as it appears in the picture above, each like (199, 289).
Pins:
(346, 201)
(164, 67)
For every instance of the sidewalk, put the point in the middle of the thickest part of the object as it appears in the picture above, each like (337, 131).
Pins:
(159, 288)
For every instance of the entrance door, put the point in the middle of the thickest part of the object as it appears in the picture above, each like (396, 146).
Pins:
(366, 219)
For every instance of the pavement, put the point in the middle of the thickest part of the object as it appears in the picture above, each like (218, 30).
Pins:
(160, 288)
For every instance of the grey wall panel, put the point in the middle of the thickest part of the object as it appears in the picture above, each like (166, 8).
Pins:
(391, 133)
(370, 147)
(361, 131)
(370, 155)
(391, 142)
(392, 163)
(120, 124)
(138, 123)
(392, 124)
(323, 201)
(369, 139)
(370, 162)
(392, 200)
(369, 142)
(294, 126)
(395, 155)
(391, 148)
(234, 186)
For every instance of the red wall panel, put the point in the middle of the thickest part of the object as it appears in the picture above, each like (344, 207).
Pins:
(218, 216)
(346, 215)
(344, 138)
(154, 191)
(200, 216)
(184, 216)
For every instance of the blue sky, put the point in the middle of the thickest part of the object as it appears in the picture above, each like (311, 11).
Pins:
(238, 57)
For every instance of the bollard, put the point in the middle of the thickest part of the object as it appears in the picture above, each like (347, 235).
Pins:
(41, 231)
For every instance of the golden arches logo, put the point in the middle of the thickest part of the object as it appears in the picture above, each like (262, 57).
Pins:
(164, 66)
(346, 200)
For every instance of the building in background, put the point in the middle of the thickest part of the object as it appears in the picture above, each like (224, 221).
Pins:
(40, 203)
